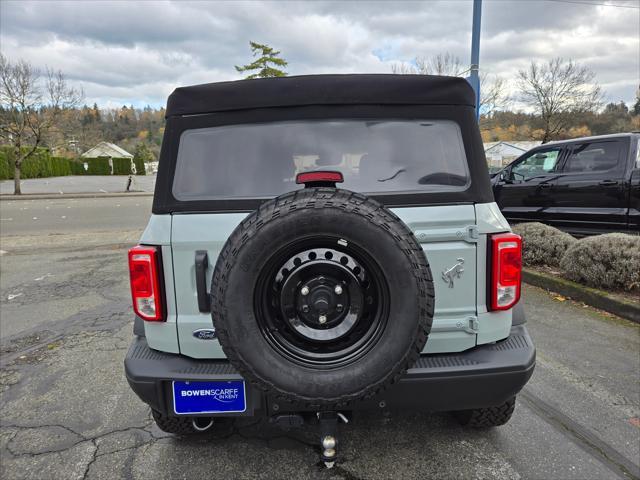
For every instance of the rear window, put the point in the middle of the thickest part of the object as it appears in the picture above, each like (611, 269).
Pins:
(593, 157)
(374, 156)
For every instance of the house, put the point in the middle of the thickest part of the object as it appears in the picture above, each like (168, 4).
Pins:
(106, 149)
(110, 151)
(502, 153)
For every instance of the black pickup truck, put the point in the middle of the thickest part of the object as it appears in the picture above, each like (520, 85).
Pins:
(584, 186)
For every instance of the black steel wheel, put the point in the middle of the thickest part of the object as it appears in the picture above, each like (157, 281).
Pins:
(322, 296)
(320, 303)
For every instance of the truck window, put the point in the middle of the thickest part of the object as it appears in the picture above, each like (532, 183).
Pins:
(374, 156)
(593, 157)
(537, 163)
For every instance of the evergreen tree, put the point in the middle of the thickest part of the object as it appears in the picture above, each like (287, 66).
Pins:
(96, 112)
(267, 57)
(143, 153)
(636, 106)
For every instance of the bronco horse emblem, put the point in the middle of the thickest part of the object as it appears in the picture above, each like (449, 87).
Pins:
(453, 272)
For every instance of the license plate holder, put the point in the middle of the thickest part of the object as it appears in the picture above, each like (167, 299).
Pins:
(195, 398)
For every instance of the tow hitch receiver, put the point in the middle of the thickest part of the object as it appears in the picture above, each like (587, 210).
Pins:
(328, 436)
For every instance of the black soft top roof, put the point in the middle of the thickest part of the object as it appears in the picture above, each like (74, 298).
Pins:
(358, 89)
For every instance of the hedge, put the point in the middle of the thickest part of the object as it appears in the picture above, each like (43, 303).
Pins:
(42, 164)
(97, 166)
(542, 244)
(610, 262)
(121, 166)
(139, 163)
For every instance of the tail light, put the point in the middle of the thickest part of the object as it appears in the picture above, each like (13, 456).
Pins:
(144, 273)
(506, 270)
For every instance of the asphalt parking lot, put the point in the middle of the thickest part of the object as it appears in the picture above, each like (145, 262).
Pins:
(67, 411)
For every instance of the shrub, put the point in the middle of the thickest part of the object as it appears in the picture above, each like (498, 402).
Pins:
(77, 167)
(142, 155)
(610, 261)
(139, 163)
(542, 244)
(6, 170)
(40, 164)
(121, 166)
(97, 166)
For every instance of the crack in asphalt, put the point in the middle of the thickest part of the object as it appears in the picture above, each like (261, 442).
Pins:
(582, 437)
(93, 459)
(83, 438)
(96, 278)
(113, 316)
(94, 440)
(235, 431)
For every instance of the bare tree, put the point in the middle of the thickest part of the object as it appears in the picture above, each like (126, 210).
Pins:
(493, 94)
(493, 91)
(556, 90)
(440, 64)
(31, 103)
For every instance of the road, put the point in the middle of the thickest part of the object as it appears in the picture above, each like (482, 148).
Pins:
(81, 184)
(67, 411)
(73, 215)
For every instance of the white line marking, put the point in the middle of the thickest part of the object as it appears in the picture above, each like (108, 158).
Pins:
(13, 295)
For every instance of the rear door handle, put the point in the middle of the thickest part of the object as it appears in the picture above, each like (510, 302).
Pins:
(546, 185)
(608, 183)
(202, 263)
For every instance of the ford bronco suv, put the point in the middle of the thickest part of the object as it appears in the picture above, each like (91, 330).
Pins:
(325, 244)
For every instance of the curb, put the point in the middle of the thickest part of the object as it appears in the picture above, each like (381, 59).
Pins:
(48, 196)
(590, 296)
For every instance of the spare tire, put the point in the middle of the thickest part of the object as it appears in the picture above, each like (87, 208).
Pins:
(322, 296)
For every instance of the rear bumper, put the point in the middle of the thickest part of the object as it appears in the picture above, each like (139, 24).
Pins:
(484, 376)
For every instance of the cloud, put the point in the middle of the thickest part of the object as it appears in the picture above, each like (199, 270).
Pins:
(137, 52)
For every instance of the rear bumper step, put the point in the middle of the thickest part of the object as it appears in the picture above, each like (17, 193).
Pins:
(484, 376)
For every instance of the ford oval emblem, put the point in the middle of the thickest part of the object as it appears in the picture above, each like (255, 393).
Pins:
(205, 334)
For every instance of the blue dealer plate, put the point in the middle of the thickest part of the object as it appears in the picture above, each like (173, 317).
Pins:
(209, 397)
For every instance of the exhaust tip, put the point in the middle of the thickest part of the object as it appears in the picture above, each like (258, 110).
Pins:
(202, 424)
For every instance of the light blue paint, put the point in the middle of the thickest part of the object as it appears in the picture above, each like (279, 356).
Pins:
(193, 232)
(163, 336)
(446, 233)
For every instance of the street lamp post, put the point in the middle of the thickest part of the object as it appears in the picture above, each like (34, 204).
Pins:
(474, 78)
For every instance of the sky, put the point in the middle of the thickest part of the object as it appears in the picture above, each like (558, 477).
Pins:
(136, 53)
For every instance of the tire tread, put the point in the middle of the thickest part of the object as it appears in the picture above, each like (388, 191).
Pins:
(487, 417)
(347, 201)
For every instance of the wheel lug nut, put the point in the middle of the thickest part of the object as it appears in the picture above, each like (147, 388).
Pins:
(338, 290)
(339, 307)
(322, 319)
(305, 308)
(304, 290)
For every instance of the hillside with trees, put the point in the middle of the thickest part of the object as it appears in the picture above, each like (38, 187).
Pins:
(558, 99)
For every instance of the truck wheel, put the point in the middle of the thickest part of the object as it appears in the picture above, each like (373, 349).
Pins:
(487, 417)
(322, 297)
(185, 425)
